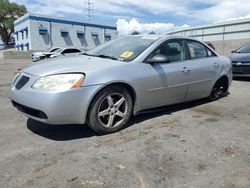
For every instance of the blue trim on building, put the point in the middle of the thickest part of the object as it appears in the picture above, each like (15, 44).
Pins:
(43, 28)
(107, 35)
(94, 34)
(64, 31)
(80, 32)
(37, 18)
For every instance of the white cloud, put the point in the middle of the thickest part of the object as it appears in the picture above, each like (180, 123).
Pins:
(125, 27)
(222, 10)
(233, 19)
(218, 10)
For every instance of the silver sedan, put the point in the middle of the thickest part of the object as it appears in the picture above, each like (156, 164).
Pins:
(120, 78)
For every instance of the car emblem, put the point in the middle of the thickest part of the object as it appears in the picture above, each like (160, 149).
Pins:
(238, 63)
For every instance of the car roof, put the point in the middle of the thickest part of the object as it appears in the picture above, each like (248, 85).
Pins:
(70, 48)
(162, 36)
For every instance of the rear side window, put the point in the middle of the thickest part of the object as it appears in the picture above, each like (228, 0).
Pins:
(75, 51)
(198, 50)
(210, 53)
(67, 51)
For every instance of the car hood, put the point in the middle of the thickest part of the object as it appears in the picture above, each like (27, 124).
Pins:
(241, 57)
(79, 63)
(38, 53)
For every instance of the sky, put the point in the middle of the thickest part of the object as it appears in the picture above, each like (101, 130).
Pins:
(144, 15)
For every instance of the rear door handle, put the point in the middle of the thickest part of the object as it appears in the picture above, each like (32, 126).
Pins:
(185, 70)
(216, 65)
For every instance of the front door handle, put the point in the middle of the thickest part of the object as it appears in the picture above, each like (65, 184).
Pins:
(185, 70)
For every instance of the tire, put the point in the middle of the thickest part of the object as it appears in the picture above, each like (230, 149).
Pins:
(219, 90)
(110, 110)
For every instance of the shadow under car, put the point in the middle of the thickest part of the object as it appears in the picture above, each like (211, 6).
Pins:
(78, 131)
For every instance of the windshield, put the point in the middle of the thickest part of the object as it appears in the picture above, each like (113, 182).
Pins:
(244, 49)
(124, 48)
(53, 49)
(57, 50)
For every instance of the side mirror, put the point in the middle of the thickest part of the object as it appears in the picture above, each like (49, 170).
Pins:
(233, 51)
(159, 58)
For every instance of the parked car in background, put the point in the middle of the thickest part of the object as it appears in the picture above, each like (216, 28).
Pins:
(241, 61)
(122, 77)
(65, 52)
(210, 45)
(37, 56)
(60, 52)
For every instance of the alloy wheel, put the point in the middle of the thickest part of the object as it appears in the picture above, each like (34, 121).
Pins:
(112, 110)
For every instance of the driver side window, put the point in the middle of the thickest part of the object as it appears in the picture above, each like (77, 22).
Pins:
(173, 50)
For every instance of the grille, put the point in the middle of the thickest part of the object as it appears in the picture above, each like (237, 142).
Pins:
(242, 69)
(30, 111)
(22, 82)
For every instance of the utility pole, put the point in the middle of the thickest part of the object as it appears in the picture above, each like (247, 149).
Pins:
(88, 8)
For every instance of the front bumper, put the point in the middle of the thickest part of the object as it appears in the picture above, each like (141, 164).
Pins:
(64, 107)
(35, 58)
(241, 70)
(241, 75)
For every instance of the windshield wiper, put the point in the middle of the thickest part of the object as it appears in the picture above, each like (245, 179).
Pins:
(103, 56)
(107, 56)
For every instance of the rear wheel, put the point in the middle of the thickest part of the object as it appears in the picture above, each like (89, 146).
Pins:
(110, 110)
(219, 90)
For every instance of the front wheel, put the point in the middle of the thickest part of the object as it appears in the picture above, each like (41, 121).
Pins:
(110, 110)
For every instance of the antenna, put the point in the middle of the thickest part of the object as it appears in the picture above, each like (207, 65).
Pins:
(88, 8)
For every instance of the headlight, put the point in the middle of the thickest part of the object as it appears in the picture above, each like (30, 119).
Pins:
(59, 82)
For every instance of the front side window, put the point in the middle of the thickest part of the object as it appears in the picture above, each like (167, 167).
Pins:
(173, 50)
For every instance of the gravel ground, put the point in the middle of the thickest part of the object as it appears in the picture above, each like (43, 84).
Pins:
(197, 144)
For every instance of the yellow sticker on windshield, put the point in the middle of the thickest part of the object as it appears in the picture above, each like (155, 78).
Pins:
(126, 54)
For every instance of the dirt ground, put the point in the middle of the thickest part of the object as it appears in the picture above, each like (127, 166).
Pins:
(197, 144)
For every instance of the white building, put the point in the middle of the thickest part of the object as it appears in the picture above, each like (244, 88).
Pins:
(36, 32)
(226, 36)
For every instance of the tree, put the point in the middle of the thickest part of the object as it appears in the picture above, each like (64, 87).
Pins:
(9, 12)
(135, 33)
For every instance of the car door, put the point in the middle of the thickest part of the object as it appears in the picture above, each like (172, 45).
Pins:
(203, 69)
(171, 76)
